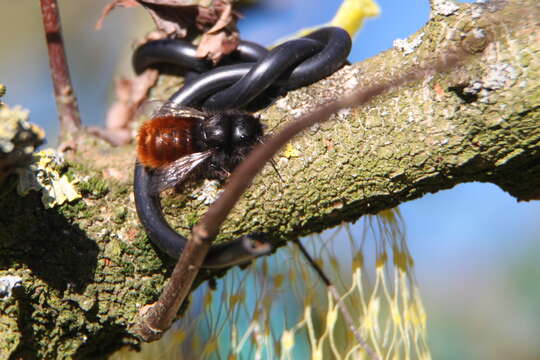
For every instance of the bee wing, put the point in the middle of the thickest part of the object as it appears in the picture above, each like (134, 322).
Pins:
(169, 108)
(148, 108)
(171, 174)
(154, 108)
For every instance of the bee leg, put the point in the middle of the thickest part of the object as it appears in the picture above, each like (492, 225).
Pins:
(224, 174)
(218, 172)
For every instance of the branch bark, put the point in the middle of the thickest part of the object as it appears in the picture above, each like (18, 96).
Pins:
(87, 267)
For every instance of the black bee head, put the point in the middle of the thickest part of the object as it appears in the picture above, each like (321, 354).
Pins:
(230, 135)
(230, 129)
(245, 130)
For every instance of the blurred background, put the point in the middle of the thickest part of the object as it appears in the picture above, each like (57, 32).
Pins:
(476, 249)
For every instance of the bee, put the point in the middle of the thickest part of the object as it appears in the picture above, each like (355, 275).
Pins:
(178, 140)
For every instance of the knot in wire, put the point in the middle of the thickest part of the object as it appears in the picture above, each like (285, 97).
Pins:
(248, 72)
(240, 78)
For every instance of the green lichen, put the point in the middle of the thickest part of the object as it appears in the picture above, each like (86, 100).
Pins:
(127, 269)
(93, 187)
(192, 219)
(76, 210)
(119, 215)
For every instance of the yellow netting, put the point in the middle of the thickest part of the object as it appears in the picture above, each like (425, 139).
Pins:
(279, 309)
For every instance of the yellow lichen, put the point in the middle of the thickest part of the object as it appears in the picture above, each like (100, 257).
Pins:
(15, 129)
(290, 152)
(45, 174)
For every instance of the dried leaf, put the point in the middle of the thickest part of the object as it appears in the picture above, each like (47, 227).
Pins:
(222, 38)
(225, 19)
(109, 7)
(171, 17)
(217, 22)
(130, 94)
(171, 3)
(215, 46)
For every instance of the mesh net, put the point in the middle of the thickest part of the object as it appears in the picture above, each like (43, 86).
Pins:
(278, 308)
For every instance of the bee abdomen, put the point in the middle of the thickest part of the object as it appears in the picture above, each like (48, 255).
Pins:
(164, 139)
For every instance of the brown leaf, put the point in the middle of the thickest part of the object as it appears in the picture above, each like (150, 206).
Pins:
(171, 3)
(222, 37)
(173, 17)
(217, 22)
(215, 46)
(130, 94)
(109, 7)
(170, 16)
(141, 85)
(225, 19)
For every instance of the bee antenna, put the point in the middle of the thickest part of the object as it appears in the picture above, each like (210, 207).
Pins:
(274, 100)
(274, 165)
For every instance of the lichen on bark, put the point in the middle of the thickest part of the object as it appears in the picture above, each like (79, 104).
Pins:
(87, 266)
(18, 139)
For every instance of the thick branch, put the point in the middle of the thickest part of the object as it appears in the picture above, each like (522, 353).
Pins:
(475, 123)
(479, 122)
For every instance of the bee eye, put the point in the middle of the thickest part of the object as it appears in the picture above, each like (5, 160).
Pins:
(240, 135)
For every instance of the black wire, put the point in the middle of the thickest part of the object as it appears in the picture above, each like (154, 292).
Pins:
(183, 54)
(337, 46)
(168, 51)
(261, 74)
(291, 65)
(148, 206)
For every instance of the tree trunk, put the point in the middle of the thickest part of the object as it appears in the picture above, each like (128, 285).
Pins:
(87, 267)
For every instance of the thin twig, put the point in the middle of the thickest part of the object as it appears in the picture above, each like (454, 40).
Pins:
(339, 302)
(156, 318)
(66, 102)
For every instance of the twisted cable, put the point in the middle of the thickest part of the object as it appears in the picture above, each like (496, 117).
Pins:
(239, 79)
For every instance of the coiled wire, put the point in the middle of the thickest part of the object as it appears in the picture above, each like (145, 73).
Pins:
(239, 79)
